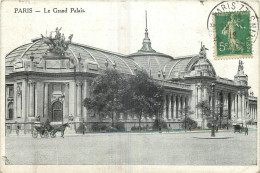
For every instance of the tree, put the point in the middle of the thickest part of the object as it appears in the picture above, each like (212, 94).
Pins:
(222, 115)
(107, 94)
(113, 93)
(205, 109)
(146, 96)
(189, 123)
(187, 120)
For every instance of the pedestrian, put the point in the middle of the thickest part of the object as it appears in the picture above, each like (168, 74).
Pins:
(216, 128)
(169, 128)
(190, 128)
(17, 130)
(246, 130)
(48, 125)
(160, 129)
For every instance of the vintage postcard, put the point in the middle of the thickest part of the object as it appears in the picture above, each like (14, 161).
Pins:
(129, 86)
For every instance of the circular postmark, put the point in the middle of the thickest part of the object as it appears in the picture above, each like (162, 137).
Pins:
(233, 6)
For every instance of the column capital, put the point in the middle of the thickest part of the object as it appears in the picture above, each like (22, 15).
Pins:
(199, 86)
(31, 82)
(239, 93)
(224, 92)
(67, 84)
(79, 83)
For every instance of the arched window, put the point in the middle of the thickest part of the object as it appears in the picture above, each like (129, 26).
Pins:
(57, 111)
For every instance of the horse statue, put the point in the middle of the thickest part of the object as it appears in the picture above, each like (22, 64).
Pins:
(61, 129)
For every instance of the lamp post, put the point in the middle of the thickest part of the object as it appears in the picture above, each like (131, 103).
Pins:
(213, 110)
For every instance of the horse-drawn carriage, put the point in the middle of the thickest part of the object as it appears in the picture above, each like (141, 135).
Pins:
(46, 131)
(238, 128)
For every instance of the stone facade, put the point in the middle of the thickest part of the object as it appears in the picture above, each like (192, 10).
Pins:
(41, 85)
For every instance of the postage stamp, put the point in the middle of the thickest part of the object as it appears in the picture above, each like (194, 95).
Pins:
(232, 35)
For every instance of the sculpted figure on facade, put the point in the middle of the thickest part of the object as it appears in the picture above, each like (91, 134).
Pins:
(240, 66)
(58, 44)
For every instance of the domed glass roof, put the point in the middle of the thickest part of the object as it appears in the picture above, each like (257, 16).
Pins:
(87, 53)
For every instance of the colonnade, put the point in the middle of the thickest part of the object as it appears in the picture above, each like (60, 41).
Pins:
(234, 102)
(253, 111)
(74, 101)
(174, 106)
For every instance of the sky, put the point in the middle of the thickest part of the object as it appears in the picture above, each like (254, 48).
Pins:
(175, 28)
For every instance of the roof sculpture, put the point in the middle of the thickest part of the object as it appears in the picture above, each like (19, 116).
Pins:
(58, 44)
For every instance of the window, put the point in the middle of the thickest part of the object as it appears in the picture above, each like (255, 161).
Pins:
(10, 114)
(11, 91)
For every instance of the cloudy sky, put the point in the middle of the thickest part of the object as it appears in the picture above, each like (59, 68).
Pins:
(175, 28)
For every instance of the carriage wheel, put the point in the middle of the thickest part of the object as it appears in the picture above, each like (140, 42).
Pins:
(34, 134)
(44, 135)
(53, 134)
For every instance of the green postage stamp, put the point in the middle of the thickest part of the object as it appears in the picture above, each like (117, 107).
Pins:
(232, 35)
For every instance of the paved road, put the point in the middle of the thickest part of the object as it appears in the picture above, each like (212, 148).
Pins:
(149, 149)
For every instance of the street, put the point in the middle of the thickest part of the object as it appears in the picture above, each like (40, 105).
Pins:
(227, 148)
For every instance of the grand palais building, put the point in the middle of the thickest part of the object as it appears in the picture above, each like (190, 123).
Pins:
(50, 77)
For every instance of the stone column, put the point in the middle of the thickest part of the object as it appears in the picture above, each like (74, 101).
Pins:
(66, 102)
(164, 108)
(25, 98)
(170, 107)
(15, 101)
(174, 107)
(255, 112)
(206, 97)
(243, 106)
(179, 106)
(19, 102)
(46, 104)
(184, 106)
(233, 113)
(239, 107)
(224, 100)
(84, 95)
(250, 110)
(79, 99)
(167, 106)
(236, 106)
(32, 99)
(199, 100)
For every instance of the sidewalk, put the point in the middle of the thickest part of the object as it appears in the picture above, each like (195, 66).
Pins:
(206, 132)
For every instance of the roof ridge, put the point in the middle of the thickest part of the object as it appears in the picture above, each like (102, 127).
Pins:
(186, 56)
(98, 49)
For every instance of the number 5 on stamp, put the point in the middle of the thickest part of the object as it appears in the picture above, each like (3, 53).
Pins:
(232, 35)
